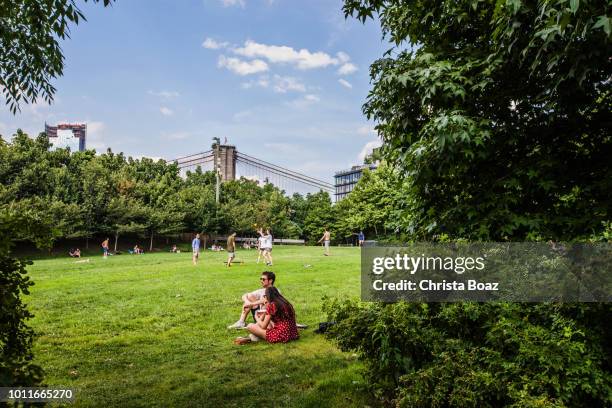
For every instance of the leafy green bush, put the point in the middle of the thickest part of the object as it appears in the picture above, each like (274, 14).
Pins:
(480, 354)
(18, 222)
(16, 337)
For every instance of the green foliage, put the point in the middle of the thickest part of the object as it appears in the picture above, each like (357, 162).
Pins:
(480, 355)
(16, 367)
(83, 195)
(371, 205)
(17, 220)
(496, 114)
(320, 214)
(31, 54)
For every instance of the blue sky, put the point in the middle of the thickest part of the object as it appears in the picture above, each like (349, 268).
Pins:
(283, 80)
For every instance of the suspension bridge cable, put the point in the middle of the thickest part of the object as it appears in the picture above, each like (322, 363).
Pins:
(265, 163)
(206, 153)
(282, 170)
(291, 176)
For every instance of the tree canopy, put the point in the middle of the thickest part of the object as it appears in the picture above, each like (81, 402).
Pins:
(496, 114)
(83, 195)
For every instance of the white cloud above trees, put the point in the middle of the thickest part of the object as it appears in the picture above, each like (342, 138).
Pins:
(242, 67)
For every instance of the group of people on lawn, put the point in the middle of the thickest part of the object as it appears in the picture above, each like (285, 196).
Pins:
(274, 316)
(264, 245)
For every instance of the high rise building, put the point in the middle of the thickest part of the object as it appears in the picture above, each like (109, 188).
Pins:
(63, 133)
(346, 180)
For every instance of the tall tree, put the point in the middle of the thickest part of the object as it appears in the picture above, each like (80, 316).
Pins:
(497, 113)
(370, 206)
(320, 215)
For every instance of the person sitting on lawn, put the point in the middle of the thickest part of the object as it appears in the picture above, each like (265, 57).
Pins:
(276, 325)
(253, 301)
(75, 253)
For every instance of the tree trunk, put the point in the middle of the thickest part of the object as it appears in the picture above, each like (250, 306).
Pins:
(375, 231)
(87, 242)
(116, 239)
(151, 244)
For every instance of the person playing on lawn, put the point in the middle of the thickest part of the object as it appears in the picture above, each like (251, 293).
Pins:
(254, 300)
(325, 238)
(266, 244)
(105, 247)
(276, 325)
(231, 248)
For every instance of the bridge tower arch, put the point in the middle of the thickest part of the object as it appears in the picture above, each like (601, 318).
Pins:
(225, 160)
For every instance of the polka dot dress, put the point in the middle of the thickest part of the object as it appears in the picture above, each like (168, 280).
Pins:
(283, 331)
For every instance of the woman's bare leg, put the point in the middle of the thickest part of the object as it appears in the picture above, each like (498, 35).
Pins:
(256, 330)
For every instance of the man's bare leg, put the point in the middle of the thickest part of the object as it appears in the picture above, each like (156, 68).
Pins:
(243, 315)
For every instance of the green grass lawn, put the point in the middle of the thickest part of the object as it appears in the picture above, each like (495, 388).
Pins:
(150, 330)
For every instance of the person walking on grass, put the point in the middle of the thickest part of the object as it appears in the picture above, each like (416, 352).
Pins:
(195, 246)
(231, 249)
(276, 325)
(361, 238)
(105, 248)
(325, 239)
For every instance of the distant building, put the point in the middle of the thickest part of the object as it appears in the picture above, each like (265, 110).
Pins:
(347, 179)
(63, 133)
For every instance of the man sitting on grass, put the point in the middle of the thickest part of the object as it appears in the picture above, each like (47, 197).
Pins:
(252, 301)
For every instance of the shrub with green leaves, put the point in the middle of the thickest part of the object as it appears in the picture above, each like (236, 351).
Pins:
(480, 354)
(16, 337)
(18, 221)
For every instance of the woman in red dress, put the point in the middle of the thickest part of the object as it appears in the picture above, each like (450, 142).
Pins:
(277, 324)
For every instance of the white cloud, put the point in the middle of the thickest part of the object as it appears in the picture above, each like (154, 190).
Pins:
(347, 69)
(302, 59)
(280, 84)
(366, 130)
(166, 111)
(164, 94)
(305, 101)
(285, 84)
(367, 149)
(262, 82)
(230, 3)
(345, 83)
(343, 57)
(211, 44)
(240, 67)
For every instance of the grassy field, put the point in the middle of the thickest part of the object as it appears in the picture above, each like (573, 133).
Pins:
(150, 330)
